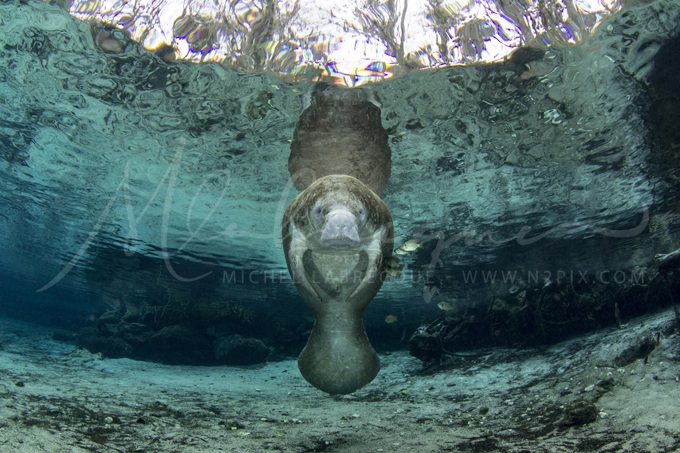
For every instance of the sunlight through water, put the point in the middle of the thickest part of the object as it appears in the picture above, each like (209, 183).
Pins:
(349, 42)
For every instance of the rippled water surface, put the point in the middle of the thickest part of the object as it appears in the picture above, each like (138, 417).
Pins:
(120, 169)
(351, 42)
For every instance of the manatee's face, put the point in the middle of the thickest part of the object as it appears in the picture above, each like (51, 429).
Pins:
(336, 234)
(338, 212)
(337, 225)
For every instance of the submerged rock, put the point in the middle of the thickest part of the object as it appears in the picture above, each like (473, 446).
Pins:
(95, 341)
(579, 412)
(240, 350)
(638, 350)
(178, 344)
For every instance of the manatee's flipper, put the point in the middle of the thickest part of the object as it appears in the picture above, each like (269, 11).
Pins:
(295, 254)
(374, 276)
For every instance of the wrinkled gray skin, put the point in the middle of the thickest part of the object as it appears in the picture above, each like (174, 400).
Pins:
(337, 234)
(340, 133)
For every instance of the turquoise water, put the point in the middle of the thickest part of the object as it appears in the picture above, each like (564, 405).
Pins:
(153, 191)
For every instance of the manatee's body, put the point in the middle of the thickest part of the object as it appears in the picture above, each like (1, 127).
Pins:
(340, 133)
(337, 235)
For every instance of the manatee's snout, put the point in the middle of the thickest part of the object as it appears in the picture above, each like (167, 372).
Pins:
(340, 229)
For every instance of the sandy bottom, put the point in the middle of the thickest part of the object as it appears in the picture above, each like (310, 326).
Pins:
(580, 395)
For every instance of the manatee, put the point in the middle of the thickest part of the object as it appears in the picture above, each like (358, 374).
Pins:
(337, 236)
(340, 133)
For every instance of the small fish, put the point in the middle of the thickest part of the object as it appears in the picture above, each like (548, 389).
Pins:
(667, 261)
(394, 267)
(407, 247)
(389, 319)
(446, 306)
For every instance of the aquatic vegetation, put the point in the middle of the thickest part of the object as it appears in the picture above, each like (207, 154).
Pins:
(545, 313)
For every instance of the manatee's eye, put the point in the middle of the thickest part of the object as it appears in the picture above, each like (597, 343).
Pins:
(317, 213)
(361, 213)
